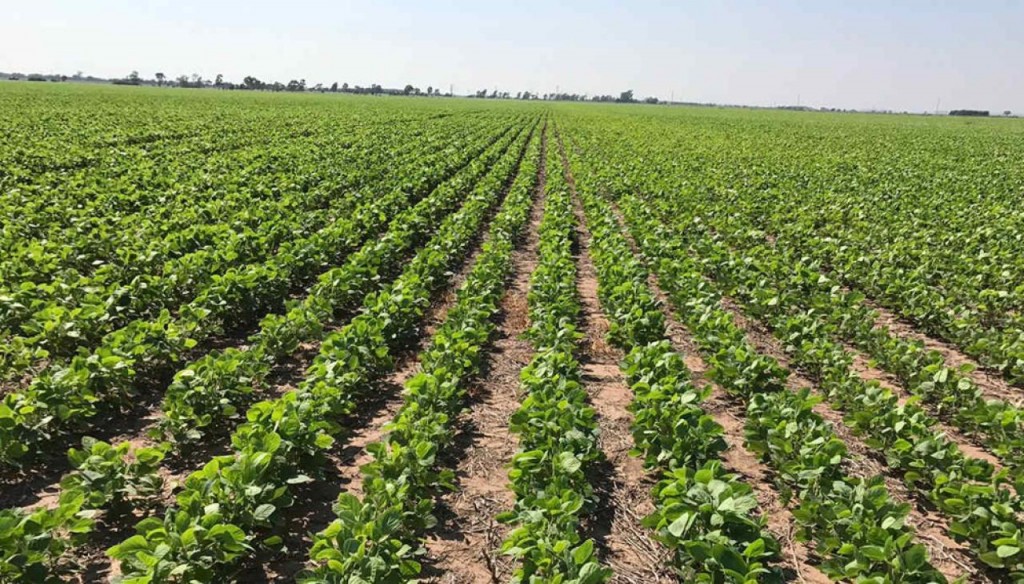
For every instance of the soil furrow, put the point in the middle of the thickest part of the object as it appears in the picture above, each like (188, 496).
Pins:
(621, 482)
(629, 550)
(992, 384)
(342, 472)
(953, 559)
(729, 412)
(464, 548)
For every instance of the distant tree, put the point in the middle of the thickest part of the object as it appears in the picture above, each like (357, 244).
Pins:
(132, 79)
(626, 96)
(160, 79)
(408, 89)
(430, 90)
(182, 81)
(652, 100)
(220, 80)
(376, 89)
(334, 87)
(1007, 113)
(344, 87)
(79, 75)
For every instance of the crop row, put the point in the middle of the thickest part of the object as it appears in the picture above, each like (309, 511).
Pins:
(556, 428)
(706, 516)
(980, 501)
(375, 539)
(86, 220)
(922, 219)
(979, 312)
(104, 129)
(66, 395)
(53, 320)
(81, 126)
(35, 540)
(233, 504)
(800, 282)
(216, 385)
(859, 531)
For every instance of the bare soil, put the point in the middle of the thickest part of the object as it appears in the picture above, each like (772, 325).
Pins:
(991, 383)
(465, 548)
(621, 483)
(798, 558)
(314, 508)
(951, 558)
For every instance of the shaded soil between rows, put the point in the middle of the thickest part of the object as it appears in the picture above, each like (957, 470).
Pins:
(621, 482)
(465, 546)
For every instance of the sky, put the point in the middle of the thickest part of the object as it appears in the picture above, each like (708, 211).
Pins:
(900, 55)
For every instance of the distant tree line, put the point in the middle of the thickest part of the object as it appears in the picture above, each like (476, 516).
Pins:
(36, 77)
(624, 97)
(252, 83)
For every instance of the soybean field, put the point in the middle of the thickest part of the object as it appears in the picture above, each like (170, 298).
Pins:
(322, 338)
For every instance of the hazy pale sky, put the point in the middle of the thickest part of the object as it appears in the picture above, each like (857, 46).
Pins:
(896, 54)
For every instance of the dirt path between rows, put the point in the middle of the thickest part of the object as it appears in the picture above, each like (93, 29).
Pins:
(729, 412)
(621, 482)
(953, 559)
(314, 510)
(465, 548)
(991, 383)
(628, 547)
